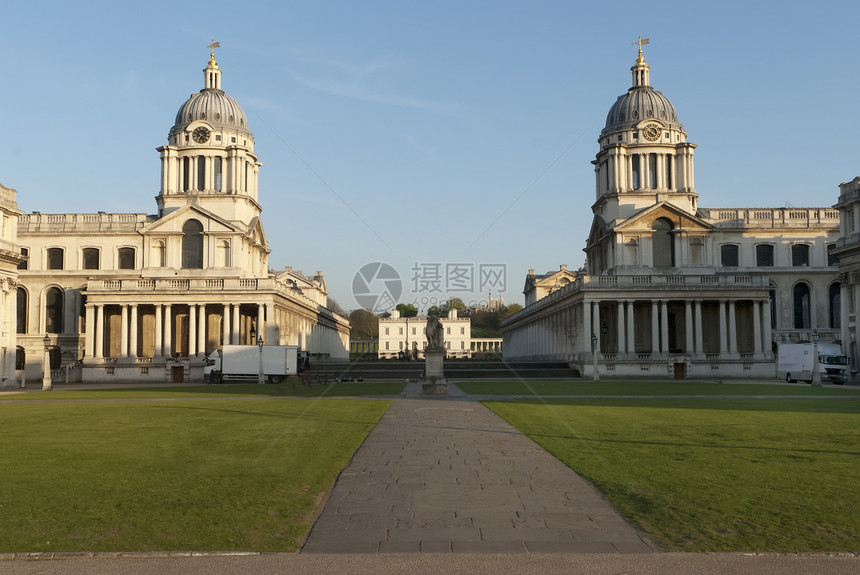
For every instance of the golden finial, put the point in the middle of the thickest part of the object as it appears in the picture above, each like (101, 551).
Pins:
(641, 41)
(212, 47)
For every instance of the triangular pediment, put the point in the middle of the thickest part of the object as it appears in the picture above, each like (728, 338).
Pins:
(681, 220)
(212, 223)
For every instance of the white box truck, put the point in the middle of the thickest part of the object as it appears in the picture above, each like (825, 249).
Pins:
(242, 362)
(795, 362)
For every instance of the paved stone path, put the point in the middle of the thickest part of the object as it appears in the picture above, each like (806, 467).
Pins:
(440, 475)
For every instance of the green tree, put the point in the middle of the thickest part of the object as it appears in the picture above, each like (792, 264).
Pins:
(364, 324)
(407, 310)
(510, 310)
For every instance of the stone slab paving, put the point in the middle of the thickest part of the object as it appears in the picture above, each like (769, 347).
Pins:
(444, 475)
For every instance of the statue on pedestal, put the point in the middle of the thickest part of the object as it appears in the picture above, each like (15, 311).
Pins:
(435, 334)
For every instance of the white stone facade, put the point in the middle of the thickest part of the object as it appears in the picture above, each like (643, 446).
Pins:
(10, 259)
(147, 297)
(671, 288)
(399, 334)
(848, 252)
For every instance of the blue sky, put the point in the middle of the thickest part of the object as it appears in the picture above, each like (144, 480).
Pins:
(432, 133)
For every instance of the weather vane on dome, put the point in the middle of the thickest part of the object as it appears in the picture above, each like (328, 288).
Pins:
(641, 41)
(215, 44)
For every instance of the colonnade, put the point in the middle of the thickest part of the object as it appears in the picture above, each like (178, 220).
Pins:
(234, 327)
(636, 328)
(669, 171)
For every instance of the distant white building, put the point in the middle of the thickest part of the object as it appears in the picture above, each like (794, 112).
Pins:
(147, 297)
(401, 335)
(10, 260)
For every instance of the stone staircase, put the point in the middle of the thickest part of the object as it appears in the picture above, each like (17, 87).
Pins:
(454, 369)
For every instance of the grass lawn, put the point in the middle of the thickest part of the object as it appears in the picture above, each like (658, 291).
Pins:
(714, 474)
(583, 387)
(290, 388)
(172, 475)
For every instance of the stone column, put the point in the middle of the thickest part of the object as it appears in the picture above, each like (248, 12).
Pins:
(768, 337)
(700, 345)
(631, 332)
(664, 326)
(622, 347)
(100, 332)
(585, 340)
(733, 329)
(225, 325)
(655, 328)
(757, 327)
(688, 326)
(168, 330)
(261, 323)
(192, 330)
(595, 318)
(159, 327)
(844, 304)
(723, 328)
(91, 332)
(234, 337)
(123, 336)
(201, 330)
(132, 348)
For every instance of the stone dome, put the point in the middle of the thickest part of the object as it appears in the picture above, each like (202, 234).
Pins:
(638, 104)
(212, 106)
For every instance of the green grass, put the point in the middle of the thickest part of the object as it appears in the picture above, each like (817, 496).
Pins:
(290, 388)
(714, 474)
(172, 475)
(579, 387)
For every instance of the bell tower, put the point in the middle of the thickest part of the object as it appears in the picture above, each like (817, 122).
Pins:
(209, 159)
(644, 156)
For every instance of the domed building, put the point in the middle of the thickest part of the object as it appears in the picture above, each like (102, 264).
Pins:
(674, 289)
(148, 297)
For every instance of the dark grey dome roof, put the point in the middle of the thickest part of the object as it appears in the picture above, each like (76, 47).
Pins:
(640, 103)
(214, 107)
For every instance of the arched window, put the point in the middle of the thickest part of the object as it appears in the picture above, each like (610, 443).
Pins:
(20, 357)
(125, 257)
(663, 244)
(223, 254)
(801, 306)
(834, 301)
(91, 258)
(192, 245)
(54, 310)
(21, 320)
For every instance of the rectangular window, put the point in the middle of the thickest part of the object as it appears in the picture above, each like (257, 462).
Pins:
(126, 258)
(669, 160)
(91, 258)
(462, 331)
(218, 173)
(55, 258)
(800, 255)
(764, 255)
(401, 331)
(386, 331)
(729, 255)
(832, 260)
(634, 161)
(652, 171)
(26, 253)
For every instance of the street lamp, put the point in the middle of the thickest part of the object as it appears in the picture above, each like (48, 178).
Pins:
(260, 374)
(594, 355)
(816, 376)
(47, 384)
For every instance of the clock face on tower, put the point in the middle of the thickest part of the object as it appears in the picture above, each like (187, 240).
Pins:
(651, 131)
(200, 135)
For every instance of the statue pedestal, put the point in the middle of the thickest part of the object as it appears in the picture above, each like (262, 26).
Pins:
(434, 376)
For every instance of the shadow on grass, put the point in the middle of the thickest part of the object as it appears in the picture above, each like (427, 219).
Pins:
(846, 405)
